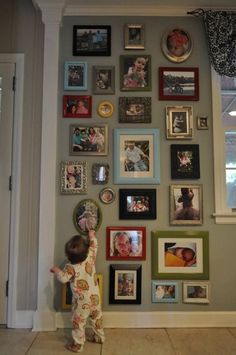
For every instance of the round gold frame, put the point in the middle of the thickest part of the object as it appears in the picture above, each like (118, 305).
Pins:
(105, 109)
(177, 45)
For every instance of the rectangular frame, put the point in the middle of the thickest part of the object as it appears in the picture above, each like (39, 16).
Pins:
(75, 76)
(178, 83)
(202, 122)
(74, 177)
(196, 292)
(166, 267)
(179, 122)
(135, 73)
(137, 203)
(132, 248)
(91, 40)
(125, 284)
(185, 161)
(149, 142)
(77, 106)
(135, 109)
(165, 292)
(134, 36)
(103, 79)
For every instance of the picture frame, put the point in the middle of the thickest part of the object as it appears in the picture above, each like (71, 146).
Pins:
(74, 177)
(88, 139)
(87, 215)
(135, 109)
(202, 122)
(107, 195)
(185, 162)
(100, 173)
(146, 143)
(135, 73)
(134, 36)
(176, 45)
(126, 243)
(168, 266)
(137, 203)
(165, 292)
(186, 204)
(103, 79)
(75, 75)
(179, 122)
(91, 40)
(178, 84)
(196, 292)
(77, 106)
(125, 284)
(105, 109)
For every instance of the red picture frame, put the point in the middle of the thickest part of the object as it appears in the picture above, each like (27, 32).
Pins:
(126, 243)
(77, 106)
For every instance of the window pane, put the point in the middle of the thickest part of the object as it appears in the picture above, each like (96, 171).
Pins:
(231, 187)
(228, 100)
(230, 149)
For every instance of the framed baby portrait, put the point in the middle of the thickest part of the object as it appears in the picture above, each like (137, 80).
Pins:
(136, 156)
(135, 73)
(77, 106)
(126, 243)
(125, 284)
(179, 122)
(74, 177)
(180, 255)
(196, 292)
(103, 80)
(177, 45)
(75, 76)
(100, 173)
(165, 292)
(186, 205)
(87, 215)
(137, 204)
(135, 109)
(185, 161)
(134, 36)
(107, 195)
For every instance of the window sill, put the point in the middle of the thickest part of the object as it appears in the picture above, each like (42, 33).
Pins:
(225, 218)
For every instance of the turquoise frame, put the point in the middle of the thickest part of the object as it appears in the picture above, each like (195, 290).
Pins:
(84, 65)
(165, 299)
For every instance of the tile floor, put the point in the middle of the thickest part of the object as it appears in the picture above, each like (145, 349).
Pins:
(201, 341)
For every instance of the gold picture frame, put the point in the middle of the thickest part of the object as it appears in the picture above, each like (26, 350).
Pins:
(105, 109)
(134, 36)
(179, 122)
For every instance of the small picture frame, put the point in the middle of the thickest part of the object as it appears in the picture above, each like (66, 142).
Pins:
(105, 109)
(87, 216)
(77, 106)
(134, 36)
(103, 80)
(179, 122)
(107, 195)
(100, 173)
(135, 73)
(185, 161)
(74, 177)
(165, 292)
(126, 243)
(75, 76)
(186, 205)
(91, 40)
(125, 284)
(135, 109)
(202, 122)
(196, 292)
(137, 203)
(177, 45)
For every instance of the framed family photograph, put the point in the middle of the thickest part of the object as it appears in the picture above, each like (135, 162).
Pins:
(202, 122)
(125, 284)
(126, 243)
(100, 173)
(77, 106)
(180, 255)
(165, 292)
(88, 140)
(75, 76)
(137, 204)
(87, 215)
(134, 36)
(178, 84)
(91, 40)
(179, 122)
(135, 109)
(103, 80)
(74, 177)
(135, 73)
(186, 205)
(107, 195)
(105, 109)
(136, 156)
(177, 45)
(185, 161)
(196, 292)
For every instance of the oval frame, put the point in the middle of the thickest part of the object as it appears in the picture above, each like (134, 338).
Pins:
(180, 54)
(79, 211)
(105, 109)
(104, 199)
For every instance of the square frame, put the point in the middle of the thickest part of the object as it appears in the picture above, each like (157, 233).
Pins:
(103, 79)
(137, 203)
(133, 78)
(77, 106)
(165, 292)
(179, 122)
(202, 122)
(125, 284)
(166, 267)
(135, 109)
(134, 36)
(74, 177)
(149, 142)
(185, 161)
(135, 236)
(178, 83)
(196, 292)
(75, 76)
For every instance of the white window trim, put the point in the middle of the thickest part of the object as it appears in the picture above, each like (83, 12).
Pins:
(222, 214)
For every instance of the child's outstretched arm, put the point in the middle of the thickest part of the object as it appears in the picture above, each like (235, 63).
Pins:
(93, 245)
(63, 275)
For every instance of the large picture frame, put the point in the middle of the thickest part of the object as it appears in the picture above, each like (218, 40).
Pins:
(177, 45)
(185, 162)
(126, 243)
(75, 76)
(165, 292)
(91, 40)
(137, 203)
(146, 144)
(179, 122)
(74, 177)
(87, 215)
(180, 255)
(135, 109)
(178, 83)
(196, 292)
(103, 79)
(125, 284)
(135, 73)
(77, 106)
(134, 36)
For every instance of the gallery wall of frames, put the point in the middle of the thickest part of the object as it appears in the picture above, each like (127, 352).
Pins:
(135, 158)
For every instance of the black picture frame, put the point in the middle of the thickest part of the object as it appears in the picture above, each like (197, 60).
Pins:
(125, 284)
(185, 161)
(137, 203)
(91, 40)
(135, 109)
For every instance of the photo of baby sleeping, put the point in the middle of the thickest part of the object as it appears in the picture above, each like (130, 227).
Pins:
(180, 254)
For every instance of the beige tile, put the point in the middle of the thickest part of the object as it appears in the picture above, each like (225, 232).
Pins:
(213, 341)
(15, 342)
(136, 342)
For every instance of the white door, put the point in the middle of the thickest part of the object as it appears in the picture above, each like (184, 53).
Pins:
(6, 129)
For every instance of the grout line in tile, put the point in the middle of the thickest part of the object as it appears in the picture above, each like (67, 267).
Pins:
(32, 343)
(234, 336)
(170, 340)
